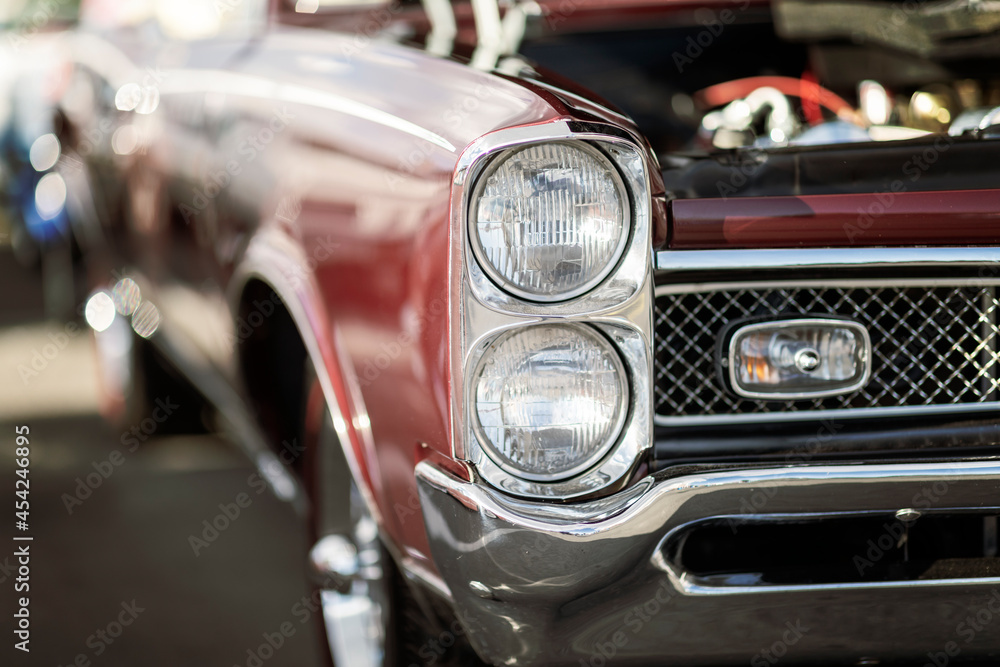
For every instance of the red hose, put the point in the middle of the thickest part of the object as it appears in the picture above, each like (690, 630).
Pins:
(809, 91)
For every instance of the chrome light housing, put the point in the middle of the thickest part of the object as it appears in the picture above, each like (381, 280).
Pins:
(551, 306)
(549, 221)
(550, 400)
(798, 359)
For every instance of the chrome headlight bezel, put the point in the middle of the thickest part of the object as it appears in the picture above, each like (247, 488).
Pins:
(625, 278)
(505, 283)
(617, 459)
(620, 306)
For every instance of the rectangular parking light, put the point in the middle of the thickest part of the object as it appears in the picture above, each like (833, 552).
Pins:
(798, 359)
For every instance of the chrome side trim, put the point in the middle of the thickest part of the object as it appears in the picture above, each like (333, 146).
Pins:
(811, 258)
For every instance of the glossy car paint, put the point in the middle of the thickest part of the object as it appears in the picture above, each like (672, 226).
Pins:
(948, 218)
(325, 171)
(559, 16)
(367, 204)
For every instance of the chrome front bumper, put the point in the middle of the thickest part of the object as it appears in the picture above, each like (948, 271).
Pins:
(587, 584)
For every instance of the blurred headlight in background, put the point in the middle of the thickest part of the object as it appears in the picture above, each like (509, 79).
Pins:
(50, 196)
(550, 400)
(44, 152)
(128, 97)
(99, 311)
(550, 221)
(126, 296)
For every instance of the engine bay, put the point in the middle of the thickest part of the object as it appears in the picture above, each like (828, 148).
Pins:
(798, 78)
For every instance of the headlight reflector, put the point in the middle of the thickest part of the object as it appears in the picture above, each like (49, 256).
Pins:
(550, 221)
(550, 400)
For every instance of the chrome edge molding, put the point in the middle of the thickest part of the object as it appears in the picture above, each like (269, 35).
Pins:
(660, 499)
(811, 258)
(621, 306)
(845, 413)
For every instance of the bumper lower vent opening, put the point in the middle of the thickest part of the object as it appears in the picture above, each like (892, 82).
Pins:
(873, 548)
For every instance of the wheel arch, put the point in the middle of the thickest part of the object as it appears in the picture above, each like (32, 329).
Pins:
(274, 264)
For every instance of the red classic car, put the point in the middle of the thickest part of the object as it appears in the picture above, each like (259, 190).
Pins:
(581, 331)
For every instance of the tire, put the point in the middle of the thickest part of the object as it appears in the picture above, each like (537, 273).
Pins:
(158, 391)
(408, 622)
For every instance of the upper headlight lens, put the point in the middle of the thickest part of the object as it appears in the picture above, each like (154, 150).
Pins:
(550, 400)
(550, 221)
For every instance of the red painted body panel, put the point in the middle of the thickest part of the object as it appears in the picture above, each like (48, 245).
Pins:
(335, 158)
(357, 144)
(560, 16)
(379, 198)
(365, 195)
(967, 217)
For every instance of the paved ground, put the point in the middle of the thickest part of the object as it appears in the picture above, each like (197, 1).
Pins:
(124, 550)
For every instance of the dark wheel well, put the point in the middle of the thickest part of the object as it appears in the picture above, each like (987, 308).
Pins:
(272, 363)
(272, 360)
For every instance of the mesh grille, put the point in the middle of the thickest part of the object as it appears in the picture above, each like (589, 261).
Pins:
(930, 345)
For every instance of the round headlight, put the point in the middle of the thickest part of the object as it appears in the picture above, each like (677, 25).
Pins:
(550, 400)
(549, 221)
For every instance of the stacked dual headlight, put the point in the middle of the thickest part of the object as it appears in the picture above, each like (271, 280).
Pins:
(548, 223)
(550, 400)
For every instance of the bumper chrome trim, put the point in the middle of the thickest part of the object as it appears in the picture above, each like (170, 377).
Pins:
(614, 512)
(566, 578)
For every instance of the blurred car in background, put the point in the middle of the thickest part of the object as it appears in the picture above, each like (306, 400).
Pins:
(643, 330)
(33, 192)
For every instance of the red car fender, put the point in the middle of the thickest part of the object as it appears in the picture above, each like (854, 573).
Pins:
(278, 260)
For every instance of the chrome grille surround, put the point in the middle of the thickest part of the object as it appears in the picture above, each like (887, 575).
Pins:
(935, 346)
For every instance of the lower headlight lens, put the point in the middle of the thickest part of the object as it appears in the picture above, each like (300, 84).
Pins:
(550, 400)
